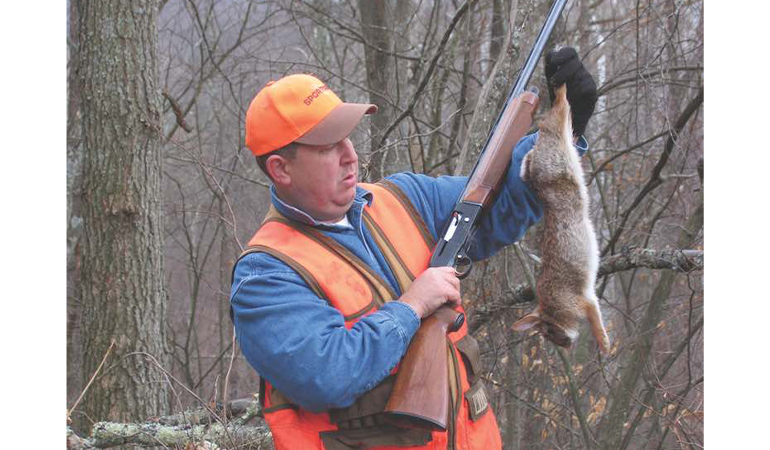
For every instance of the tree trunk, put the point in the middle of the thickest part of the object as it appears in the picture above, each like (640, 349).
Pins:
(74, 214)
(376, 28)
(496, 87)
(497, 30)
(121, 277)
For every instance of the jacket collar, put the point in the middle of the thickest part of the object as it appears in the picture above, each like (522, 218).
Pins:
(363, 198)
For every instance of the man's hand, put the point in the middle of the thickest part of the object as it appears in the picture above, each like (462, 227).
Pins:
(564, 66)
(432, 289)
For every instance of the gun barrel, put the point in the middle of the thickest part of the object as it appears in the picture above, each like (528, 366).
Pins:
(529, 65)
(537, 48)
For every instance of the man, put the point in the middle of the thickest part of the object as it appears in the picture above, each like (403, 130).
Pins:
(335, 282)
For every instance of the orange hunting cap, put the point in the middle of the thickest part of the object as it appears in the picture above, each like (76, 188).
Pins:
(299, 108)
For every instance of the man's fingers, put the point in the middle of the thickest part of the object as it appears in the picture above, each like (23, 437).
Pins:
(565, 72)
(454, 294)
(550, 67)
(549, 57)
(451, 276)
(455, 283)
(561, 56)
(452, 290)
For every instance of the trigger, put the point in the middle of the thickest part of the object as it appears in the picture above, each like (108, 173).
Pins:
(463, 266)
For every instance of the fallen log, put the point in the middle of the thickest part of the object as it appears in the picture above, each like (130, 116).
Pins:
(195, 429)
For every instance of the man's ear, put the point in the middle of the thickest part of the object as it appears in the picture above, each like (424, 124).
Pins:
(277, 167)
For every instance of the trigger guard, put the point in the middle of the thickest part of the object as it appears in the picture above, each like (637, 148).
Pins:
(464, 261)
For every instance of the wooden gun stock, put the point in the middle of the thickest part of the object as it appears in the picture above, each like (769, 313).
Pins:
(420, 396)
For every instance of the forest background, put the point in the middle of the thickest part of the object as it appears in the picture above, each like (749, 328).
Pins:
(554, 404)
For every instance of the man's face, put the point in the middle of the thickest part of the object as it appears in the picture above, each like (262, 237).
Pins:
(322, 180)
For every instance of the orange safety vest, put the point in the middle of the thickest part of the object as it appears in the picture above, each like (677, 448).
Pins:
(350, 286)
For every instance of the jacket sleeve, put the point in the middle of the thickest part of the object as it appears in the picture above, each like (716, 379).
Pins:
(300, 344)
(515, 210)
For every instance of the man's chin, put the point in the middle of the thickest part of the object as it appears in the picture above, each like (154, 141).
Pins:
(347, 200)
(352, 197)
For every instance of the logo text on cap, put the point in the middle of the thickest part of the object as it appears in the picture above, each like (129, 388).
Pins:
(315, 94)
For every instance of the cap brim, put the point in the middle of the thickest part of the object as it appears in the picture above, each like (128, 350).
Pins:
(337, 125)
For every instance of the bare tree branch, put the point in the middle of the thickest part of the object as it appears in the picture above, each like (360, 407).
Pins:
(636, 258)
(628, 259)
(655, 179)
(424, 82)
(177, 112)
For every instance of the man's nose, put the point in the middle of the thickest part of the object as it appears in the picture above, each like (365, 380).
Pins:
(349, 154)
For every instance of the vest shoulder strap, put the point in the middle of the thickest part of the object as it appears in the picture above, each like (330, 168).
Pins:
(400, 232)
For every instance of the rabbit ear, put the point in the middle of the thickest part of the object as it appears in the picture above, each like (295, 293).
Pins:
(527, 322)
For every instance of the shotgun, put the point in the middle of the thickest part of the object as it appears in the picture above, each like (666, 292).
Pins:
(420, 396)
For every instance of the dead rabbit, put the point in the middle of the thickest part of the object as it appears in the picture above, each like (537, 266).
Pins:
(570, 257)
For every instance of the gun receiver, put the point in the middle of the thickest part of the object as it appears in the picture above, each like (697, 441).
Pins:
(484, 182)
(421, 396)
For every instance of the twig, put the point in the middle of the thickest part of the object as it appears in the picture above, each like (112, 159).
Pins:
(177, 112)
(662, 370)
(574, 397)
(106, 354)
(531, 406)
(523, 261)
(616, 83)
(170, 377)
(429, 73)
(655, 179)
(213, 365)
(384, 148)
(219, 187)
(227, 376)
(220, 169)
(617, 155)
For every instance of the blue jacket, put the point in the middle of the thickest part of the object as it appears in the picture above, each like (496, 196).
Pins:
(299, 343)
